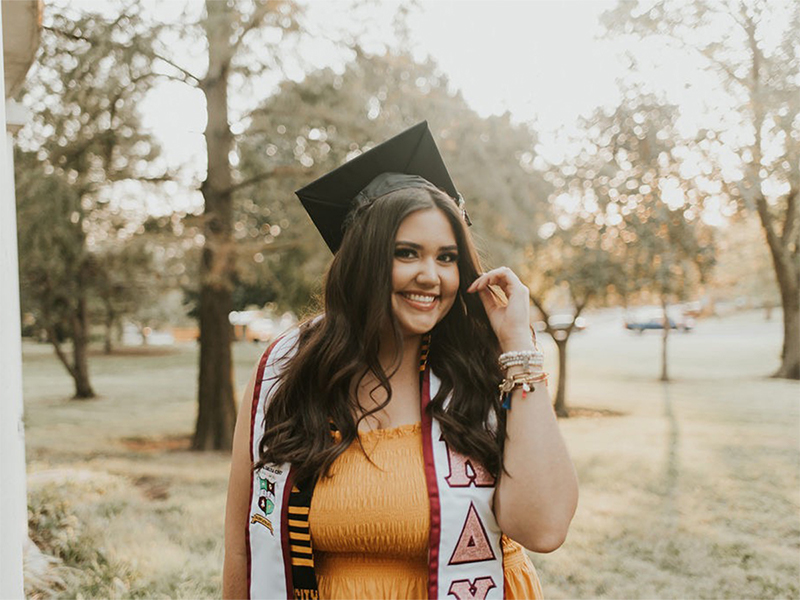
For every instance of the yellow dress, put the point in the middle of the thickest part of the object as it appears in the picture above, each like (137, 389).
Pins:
(370, 524)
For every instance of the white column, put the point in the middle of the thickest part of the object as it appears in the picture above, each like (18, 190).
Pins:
(13, 502)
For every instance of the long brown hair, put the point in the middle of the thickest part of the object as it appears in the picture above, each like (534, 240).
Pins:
(314, 390)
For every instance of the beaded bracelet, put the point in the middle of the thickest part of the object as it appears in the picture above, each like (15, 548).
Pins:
(514, 362)
(522, 357)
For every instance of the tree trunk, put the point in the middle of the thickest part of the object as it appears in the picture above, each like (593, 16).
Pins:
(783, 247)
(108, 345)
(664, 338)
(787, 272)
(80, 344)
(216, 414)
(561, 390)
(52, 337)
(790, 356)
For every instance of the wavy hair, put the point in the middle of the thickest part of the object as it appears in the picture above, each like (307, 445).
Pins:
(334, 353)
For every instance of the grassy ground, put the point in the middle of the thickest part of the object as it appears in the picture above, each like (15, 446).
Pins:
(693, 492)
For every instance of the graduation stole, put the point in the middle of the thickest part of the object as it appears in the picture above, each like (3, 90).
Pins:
(465, 555)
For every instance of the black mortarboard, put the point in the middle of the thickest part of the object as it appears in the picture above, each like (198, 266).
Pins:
(378, 171)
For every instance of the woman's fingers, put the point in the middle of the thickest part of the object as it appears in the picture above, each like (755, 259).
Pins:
(503, 277)
(488, 299)
(511, 320)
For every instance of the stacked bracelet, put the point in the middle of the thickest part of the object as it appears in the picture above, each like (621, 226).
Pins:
(533, 363)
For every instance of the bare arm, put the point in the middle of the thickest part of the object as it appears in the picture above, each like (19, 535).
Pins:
(234, 570)
(535, 501)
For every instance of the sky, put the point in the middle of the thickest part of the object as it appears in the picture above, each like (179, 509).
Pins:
(544, 61)
(539, 60)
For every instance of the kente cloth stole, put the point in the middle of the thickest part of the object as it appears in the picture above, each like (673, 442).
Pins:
(465, 557)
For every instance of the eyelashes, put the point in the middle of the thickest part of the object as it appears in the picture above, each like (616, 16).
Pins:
(405, 253)
(410, 253)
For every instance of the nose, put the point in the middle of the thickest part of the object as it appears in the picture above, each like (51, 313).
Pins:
(427, 274)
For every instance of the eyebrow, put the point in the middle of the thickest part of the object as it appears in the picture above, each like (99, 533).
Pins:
(419, 246)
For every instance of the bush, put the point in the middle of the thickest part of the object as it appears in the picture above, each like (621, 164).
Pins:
(87, 570)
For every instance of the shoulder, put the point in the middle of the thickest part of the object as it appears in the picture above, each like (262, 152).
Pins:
(278, 354)
(276, 357)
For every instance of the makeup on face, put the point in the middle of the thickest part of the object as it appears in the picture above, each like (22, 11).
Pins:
(425, 275)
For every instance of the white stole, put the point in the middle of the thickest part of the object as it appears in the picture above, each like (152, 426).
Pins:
(465, 553)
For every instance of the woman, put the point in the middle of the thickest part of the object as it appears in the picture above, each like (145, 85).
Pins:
(372, 457)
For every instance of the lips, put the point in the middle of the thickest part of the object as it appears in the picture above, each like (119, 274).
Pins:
(419, 301)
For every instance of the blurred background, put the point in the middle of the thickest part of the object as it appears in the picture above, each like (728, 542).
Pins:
(636, 163)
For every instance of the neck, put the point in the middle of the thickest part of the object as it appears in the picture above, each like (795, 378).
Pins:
(408, 354)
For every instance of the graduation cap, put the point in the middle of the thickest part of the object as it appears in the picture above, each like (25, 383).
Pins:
(410, 159)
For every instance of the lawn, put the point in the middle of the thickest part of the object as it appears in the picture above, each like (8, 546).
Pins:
(688, 490)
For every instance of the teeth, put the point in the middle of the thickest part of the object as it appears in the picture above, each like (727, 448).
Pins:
(420, 298)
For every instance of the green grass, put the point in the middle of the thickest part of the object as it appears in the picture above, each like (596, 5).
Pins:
(693, 492)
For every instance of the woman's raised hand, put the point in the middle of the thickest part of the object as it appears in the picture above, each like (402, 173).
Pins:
(512, 322)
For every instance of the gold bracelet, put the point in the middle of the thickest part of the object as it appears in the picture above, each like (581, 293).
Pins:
(524, 380)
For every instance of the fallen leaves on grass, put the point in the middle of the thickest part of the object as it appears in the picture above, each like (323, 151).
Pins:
(169, 443)
(153, 488)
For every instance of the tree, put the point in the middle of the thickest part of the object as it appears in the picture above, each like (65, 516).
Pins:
(757, 65)
(54, 271)
(86, 136)
(127, 283)
(630, 173)
(240, 40)
(664, 252)
(226, 28)
(577, 256)
(744, 269)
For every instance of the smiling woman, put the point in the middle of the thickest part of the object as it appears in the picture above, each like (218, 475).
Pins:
(372, 457)
(425, 271)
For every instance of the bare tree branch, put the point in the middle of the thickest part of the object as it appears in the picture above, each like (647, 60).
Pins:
(708, 55)
(187, 74)
(52, 337)
(283, 171)
(261, 11)
(579, 306)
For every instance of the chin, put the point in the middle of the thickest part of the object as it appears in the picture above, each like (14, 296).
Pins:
(416, 322)
(416, 329)
(419, 326)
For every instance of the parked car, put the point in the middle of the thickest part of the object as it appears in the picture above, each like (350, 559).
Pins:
(653, 318)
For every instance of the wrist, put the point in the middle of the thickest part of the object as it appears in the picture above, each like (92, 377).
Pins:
(517, 344)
